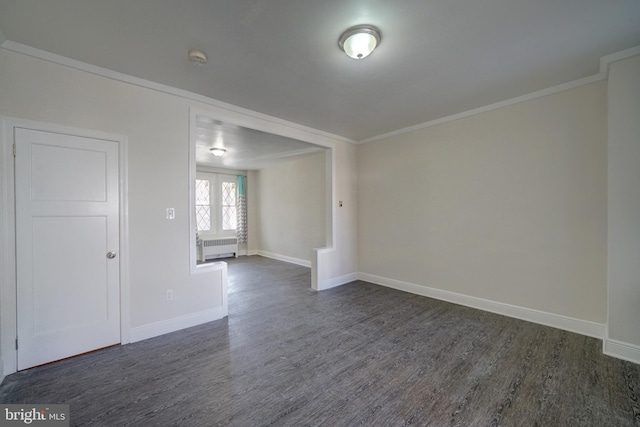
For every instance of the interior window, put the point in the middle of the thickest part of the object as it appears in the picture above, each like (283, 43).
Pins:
(216, 198)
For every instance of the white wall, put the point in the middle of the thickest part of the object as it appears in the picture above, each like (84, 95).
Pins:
(157, 127)
(335, 266)
(624, 209)
(291, 200)
(507, 206)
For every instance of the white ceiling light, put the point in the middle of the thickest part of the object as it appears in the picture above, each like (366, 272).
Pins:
(359, 41)
(217, 151)
(197, 57)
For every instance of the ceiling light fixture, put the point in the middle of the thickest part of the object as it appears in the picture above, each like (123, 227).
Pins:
(359, 41)
(217, 151)
(197, 57)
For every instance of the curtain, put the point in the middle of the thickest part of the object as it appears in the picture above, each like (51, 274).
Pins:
(241, 229)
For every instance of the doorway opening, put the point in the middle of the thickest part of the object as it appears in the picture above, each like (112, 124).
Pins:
(288, 187)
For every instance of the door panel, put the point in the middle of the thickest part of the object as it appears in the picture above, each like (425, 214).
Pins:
(67, 219)
(65, 305)
(59, 170)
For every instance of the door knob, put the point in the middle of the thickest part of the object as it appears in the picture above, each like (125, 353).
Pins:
(111, 255)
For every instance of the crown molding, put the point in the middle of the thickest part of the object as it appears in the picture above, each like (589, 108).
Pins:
(602, 74)
(606, 61)
(136, 81)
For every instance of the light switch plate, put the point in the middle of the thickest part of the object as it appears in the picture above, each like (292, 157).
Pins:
(171, 213)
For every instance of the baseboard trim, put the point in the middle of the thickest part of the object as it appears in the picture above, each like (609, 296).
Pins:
(172, 325)
(621, 350)
(337, 281)
(583, 327)
(285, 258)
(324, 284)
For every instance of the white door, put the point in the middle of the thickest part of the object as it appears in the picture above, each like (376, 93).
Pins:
(67, 241)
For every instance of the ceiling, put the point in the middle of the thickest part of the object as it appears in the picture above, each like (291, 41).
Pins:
(246, 149)
(280, 57)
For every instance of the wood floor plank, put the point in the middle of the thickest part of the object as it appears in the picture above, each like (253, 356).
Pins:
(359, 354)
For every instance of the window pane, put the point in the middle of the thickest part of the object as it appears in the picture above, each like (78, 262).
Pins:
(202, 192)
(203, 210)
(228, 194)
(203, 218)
(229, 218)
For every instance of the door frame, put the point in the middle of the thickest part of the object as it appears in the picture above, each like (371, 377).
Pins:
(8, 298)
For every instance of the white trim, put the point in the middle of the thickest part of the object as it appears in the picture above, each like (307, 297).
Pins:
(136, 81)
(193, 251)
(8, 301)
(7, 251)
(621, 350)
(222, 171)
(275, 129)
(7, 246)
(583, 327)
(125, 307)
(337, 281)
(294, 128)
(606, 61)
(330, 202)
(285, 258)
(152, 330)
(602, 74)
(322, 284)
(490, 107)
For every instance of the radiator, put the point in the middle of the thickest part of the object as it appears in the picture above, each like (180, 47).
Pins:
(210, 248)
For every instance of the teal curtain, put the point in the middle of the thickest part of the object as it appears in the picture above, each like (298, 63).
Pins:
(241, 185)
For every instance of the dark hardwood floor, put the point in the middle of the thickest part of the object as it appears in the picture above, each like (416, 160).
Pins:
(359, 354)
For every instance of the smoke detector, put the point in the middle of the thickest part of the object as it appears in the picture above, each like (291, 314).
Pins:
(197, 57)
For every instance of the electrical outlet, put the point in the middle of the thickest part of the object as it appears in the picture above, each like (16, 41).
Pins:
(169, 295)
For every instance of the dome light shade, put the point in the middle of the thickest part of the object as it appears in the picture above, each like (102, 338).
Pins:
(218, 152)
(197, 57)
(359, 41)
